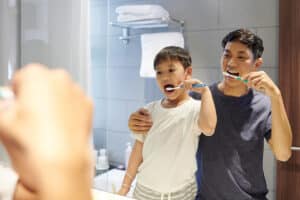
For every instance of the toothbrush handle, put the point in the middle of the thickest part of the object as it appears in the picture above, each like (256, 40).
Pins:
(244, 80)
(199, 85)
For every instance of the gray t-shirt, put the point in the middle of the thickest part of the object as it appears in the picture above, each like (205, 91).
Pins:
(230, 163)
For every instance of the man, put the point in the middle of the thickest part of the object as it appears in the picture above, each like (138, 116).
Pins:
(249, 108)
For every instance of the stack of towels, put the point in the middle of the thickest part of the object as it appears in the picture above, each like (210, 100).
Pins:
(142, 14)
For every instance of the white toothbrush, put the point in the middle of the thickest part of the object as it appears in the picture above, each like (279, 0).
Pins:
(235, 77)
(196, 85)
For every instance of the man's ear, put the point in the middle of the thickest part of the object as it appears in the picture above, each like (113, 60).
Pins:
(258, 63)
(188, 72)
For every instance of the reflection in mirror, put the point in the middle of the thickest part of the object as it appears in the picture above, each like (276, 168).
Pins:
(119, 90)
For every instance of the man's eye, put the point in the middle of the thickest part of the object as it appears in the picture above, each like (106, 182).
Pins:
(158, 72)
(171, 70)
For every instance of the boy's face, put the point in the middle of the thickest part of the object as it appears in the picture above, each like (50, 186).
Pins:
(171, 74)
(237, 59)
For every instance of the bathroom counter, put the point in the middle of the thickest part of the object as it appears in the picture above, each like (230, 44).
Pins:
(100, 195)
(111, 181)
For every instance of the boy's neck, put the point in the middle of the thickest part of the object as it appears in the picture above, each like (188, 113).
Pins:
(172, 103)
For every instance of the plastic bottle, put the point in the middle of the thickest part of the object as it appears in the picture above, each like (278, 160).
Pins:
(102, 162)
(127, 153)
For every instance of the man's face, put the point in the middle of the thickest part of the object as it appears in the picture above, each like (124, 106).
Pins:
(171, 74)
(237, 59)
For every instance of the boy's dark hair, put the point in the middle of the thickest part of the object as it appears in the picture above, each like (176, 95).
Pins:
(173, 53)
(245, 36)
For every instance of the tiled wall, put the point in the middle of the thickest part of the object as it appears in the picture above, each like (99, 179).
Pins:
(118, 89)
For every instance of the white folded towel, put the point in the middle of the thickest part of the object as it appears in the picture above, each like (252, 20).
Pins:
(140, 9)
(141, 12)
(152, 44)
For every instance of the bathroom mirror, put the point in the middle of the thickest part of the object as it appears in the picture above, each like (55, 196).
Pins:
(78, 35)
(118, 89)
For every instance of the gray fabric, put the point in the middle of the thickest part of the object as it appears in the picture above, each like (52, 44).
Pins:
(187, 193)
(230, 162)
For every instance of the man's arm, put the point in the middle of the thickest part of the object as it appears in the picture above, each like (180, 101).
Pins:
(281, 137)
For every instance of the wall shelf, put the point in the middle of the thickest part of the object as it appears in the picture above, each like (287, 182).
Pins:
(146, 24)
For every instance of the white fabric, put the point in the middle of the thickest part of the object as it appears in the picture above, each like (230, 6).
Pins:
(152, 44)
(129, 13)
(142, 10)
(133, 18)
(169, 151)
(8, 181)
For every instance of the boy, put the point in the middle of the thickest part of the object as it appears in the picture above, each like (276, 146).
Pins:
(230, 162)
(165, 158)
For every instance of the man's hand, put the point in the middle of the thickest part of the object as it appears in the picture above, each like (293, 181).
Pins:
(260, 81)
(140, 121)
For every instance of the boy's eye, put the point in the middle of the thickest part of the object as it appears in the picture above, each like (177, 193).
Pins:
(171, 70)
(226, 55)
(158, 72)
(241, 58)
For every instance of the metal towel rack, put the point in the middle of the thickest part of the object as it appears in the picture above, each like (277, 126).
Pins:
(295, 148)
(161, 23)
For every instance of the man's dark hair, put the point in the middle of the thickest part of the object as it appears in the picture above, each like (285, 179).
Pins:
(248, 38)
(173, 53)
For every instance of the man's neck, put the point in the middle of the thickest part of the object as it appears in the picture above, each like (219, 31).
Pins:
(232, 91)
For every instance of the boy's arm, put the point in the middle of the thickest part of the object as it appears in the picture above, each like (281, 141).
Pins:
(135, 160)
(207, 117)
(281, 137)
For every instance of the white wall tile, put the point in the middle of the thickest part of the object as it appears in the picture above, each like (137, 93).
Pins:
(270, 169)
(272, 72)
(117, 117)
(100, 113)
(125, 83)
(271, 43)
(120, 54)
(197, 14)
(208, 75)
(205, 48)
(99, 82)
(116, 144)
(99, 20)
(99, 138)
(245, 13)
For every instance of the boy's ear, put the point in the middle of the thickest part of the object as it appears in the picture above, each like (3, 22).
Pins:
(188, 72)
(258, 63)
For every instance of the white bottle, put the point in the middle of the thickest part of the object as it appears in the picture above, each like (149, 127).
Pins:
(127, 153)
(102, 162)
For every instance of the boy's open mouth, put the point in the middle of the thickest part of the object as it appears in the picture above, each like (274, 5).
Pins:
(169, 86)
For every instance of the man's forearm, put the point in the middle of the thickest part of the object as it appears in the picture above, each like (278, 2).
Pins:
(281, 138)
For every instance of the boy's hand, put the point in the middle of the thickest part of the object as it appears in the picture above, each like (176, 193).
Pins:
(188, 86)
(140, 121)
(260, 81)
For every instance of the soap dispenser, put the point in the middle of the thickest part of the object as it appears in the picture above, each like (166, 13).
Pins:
(102, 162)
